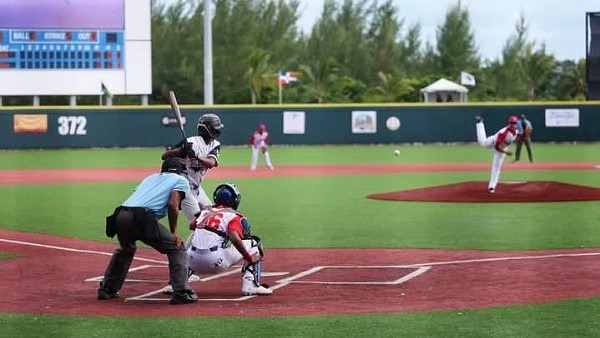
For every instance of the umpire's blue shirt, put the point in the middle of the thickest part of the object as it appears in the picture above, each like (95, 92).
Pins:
(154, 191)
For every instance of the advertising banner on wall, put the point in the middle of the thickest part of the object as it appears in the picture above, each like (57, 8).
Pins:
(562, 117)
(364, 122)
(293, 122)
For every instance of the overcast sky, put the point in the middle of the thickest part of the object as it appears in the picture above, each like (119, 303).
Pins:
(560, 24)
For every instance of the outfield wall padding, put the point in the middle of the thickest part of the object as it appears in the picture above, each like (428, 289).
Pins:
(133, 126)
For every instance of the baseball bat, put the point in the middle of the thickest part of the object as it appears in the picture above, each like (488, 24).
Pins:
(175, 107)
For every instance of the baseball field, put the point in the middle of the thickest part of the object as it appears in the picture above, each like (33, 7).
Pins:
(341, 264)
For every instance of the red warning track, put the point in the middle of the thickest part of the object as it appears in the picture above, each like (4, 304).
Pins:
(308, 281)
(232, 172)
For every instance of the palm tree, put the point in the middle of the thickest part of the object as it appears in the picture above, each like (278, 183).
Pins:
(259, 73)
(320, 76)
(536, 66)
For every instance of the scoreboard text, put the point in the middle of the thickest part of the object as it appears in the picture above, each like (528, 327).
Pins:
(61, 49)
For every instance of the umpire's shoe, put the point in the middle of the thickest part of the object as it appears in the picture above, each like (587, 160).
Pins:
(107, 293)
(184, 297)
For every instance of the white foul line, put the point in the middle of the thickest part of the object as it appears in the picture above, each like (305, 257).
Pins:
(46, 246)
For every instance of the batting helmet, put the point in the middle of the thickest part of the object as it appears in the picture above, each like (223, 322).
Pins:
(228, 195)
(513, 119)
(174, 165)
(209, 125)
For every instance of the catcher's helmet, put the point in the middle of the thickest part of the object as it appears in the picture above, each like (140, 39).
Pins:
(228, 195)
(174, 165)
(209, 125)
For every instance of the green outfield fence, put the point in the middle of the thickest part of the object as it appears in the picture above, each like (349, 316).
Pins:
(136, 126)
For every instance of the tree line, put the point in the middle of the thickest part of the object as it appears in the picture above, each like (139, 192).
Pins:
(358, 51)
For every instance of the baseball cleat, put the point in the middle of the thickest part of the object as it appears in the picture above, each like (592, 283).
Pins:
(492, 190)
(478, 119)
(184, 297)
(105, 293)
(256, 290)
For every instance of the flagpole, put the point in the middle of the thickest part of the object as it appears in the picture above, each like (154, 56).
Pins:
(280, 89)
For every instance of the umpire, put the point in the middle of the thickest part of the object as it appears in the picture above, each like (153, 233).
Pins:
(136, 219)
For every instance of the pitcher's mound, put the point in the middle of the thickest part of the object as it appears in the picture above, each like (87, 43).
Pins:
(476, 191)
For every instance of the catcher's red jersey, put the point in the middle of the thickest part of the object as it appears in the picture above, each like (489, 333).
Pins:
(219, 220)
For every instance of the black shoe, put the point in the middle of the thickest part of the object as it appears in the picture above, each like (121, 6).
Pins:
(478, 119)
(106, 293)
(184, 297)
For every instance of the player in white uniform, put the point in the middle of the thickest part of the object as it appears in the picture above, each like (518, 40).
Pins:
(259, 142)
(499, 142)
(201, 153)
(221, 238)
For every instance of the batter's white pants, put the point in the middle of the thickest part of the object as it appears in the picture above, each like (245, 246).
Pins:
(217, 261)
(254, 159)
(488, 142)
(193, 202)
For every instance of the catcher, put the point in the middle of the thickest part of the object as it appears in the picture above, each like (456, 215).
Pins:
(259, 142)
(221, 238)
(525, 129)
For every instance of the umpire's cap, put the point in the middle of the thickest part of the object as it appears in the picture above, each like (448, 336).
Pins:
(174, 165)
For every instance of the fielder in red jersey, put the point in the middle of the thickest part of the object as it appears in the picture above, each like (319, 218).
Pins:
(259, 142)
(498, 142)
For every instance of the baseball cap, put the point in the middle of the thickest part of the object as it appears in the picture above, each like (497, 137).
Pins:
(513, 119)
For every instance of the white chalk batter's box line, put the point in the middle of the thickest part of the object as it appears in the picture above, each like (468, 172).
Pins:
(295, 278)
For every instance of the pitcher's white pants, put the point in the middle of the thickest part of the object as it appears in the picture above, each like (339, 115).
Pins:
(488, 142)
(254, 159)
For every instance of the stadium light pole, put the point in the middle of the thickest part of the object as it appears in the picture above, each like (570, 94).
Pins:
(208, 66)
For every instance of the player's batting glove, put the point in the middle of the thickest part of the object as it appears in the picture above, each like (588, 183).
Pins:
(188, 150)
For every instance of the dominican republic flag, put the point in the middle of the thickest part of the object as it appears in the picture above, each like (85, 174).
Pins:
(287, 77)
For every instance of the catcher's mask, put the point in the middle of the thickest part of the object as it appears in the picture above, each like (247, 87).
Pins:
(209, 125)
(228, 195)
(174, 165)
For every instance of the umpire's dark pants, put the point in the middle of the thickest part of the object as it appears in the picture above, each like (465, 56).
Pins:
(135, 224)
(527, 141)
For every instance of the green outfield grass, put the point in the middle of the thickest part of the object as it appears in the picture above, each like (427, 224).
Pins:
(292, 155)
(315, 212)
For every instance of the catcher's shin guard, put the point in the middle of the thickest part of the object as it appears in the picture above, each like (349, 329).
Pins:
(253, 271)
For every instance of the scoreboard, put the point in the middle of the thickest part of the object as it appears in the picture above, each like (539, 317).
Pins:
(61, 49)
(75, 47)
